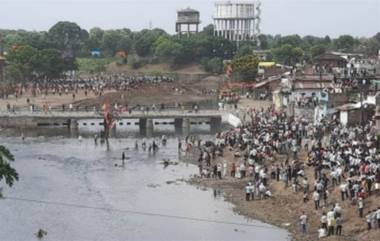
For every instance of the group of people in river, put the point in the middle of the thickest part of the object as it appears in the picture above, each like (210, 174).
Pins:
(269, 147)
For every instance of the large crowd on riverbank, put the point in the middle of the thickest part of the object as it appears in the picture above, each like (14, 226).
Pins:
(313, 159)
(96, 84)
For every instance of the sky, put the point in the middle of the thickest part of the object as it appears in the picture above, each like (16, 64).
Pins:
(360, 18)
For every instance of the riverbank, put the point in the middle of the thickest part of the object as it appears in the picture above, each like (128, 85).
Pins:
(165, 93)
(285, 207)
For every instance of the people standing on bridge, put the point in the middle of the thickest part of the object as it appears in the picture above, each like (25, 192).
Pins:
(196, 108)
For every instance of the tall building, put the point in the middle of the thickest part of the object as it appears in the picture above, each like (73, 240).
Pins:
(237, 20)
(188, 21)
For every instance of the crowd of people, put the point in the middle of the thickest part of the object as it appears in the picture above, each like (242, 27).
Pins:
(95, 84)
(267, 148)
(87, 86)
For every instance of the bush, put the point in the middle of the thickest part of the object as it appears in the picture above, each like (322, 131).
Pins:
(93, 65)
(214, 65)
(135, 61)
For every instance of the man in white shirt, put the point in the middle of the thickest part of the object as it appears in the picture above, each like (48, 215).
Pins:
(344, 191)
(316, 198)
(303, 222)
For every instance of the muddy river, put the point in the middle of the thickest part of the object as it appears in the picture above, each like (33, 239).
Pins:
(76, 190)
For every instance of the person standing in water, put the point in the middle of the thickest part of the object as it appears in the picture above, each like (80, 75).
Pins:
(123, 159)
(136, 145)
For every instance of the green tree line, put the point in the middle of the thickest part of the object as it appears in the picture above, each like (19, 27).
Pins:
(66, 41)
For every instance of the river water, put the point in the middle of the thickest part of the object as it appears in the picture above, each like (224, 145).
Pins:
(74, 190)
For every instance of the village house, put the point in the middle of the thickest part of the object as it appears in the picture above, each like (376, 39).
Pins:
(355, 114)
(329, 61)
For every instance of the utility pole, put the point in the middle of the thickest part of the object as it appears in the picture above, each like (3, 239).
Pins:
(362, 92)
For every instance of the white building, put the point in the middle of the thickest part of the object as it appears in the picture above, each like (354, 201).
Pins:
(237, 20)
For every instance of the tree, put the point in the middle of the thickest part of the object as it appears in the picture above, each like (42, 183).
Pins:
(11, 40)
(214, 65)
(245, 68)
(95, 39)
(208, 30)
(27, 63)
(345, 43)
(116, 40)
(287, 54)
(264, 41)
(145, 40)
(38, 40)
(377, 37)
(7, 172)
(49, 64)
(246, 48)
(21, 63)
(171, 51)
(68, 38)
(369, 46)
(318, 50)
(293, 40)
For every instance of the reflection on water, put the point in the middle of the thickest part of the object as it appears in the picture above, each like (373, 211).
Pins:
(91, 131)
(82, 174)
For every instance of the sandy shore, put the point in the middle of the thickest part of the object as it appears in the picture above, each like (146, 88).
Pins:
(284, 209)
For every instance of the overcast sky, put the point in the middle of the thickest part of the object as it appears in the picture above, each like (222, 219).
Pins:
(304, 17)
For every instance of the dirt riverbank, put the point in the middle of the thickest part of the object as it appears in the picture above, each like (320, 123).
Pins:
(284, 209)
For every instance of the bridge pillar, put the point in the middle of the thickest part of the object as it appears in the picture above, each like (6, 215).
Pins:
(149, 127)
(178, 125)
(215, 124)
(187, 125)
(142, 125)
(73, 124)
(113, 131)
(73, 127)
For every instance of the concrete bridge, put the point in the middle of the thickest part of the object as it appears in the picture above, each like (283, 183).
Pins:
(146, 121)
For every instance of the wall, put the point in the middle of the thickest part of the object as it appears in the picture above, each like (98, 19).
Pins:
(232, 120)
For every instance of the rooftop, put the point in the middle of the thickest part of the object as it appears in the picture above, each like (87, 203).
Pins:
(330, 56)
(313, 85)
(188, 10)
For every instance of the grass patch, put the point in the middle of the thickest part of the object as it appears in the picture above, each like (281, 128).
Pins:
(94, 65)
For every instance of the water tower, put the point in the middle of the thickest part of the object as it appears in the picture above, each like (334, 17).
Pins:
(188, 21)
(237, 20)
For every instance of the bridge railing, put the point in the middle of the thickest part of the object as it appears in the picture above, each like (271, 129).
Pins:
(99, 114)
(66, 108)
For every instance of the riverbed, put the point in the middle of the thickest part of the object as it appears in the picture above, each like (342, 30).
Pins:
(77, 190)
